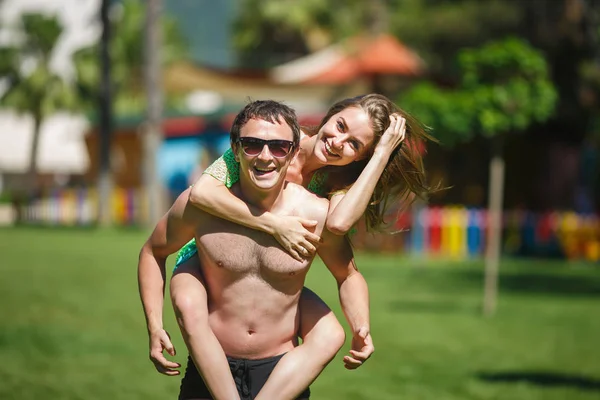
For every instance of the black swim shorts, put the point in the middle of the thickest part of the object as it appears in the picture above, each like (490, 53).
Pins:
(249, 376)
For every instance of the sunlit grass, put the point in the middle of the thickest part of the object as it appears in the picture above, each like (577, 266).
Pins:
(71, 326)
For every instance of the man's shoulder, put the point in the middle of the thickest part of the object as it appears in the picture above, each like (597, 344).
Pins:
(183, 209)
(310, 201)
(305, 194)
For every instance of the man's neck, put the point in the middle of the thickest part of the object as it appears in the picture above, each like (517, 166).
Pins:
(263, 200)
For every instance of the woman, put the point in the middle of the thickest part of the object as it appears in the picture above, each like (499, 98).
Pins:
(353, 157)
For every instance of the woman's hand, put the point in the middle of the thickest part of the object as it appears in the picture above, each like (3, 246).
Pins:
(294, 235)
(393, 135)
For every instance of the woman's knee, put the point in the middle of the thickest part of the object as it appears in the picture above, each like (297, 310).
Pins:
(190, 314)
(326, 338)
(319, 326)
(186, 303)
(332, 334)
(189, 300)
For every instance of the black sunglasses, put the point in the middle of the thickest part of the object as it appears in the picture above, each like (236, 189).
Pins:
(254, 146)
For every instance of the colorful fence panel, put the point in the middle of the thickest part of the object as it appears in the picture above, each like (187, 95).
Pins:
(79, 207)
(453, 232)
(457, 232)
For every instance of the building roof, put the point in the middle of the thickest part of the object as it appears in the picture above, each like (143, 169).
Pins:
(352, 59)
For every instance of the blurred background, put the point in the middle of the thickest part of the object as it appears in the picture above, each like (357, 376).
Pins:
(111, 108)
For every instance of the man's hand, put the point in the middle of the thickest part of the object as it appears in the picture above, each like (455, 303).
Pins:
(159, 342)
(362, 348)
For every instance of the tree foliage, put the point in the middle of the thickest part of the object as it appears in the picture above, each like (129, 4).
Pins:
(590, 91)
(127, 59)
(271, 31)
(504, 87)
(32, 87)
(439, 29)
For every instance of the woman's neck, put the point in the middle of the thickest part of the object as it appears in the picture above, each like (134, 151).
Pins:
(307, 162)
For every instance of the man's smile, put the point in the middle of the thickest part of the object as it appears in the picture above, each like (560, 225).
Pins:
(263, 170)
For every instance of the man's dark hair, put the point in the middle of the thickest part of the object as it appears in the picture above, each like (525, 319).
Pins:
(267, 110)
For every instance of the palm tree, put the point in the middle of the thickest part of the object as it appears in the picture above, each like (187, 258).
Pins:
(127, 60)
(105, 182)
(153, 133)
(36, 91)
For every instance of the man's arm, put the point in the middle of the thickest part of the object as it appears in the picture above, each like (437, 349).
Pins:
(336, 253)
(173, 230)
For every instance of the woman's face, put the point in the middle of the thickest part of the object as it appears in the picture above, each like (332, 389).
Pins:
(346, 137)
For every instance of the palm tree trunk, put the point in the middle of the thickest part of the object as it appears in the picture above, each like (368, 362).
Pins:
(153, 135)
(33, 156)
(105, 183)
(494, 228)
(377, 24)
(377, 17)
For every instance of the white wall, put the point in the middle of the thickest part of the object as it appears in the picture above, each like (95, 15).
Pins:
(62, 147)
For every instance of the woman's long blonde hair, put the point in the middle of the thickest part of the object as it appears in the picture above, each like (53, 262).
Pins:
(403, 178)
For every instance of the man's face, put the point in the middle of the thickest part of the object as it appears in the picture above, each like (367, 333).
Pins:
(264, 164)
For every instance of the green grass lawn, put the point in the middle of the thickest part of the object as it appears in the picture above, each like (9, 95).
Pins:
(72, 327)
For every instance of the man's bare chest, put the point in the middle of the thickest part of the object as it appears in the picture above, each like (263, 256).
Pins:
(238, 249)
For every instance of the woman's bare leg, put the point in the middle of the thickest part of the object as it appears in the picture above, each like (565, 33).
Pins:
(190, 302)
(323, 337)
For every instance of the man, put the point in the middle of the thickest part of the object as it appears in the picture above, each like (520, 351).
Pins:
(254, 286)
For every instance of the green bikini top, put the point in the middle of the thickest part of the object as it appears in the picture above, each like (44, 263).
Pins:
(227, 170)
